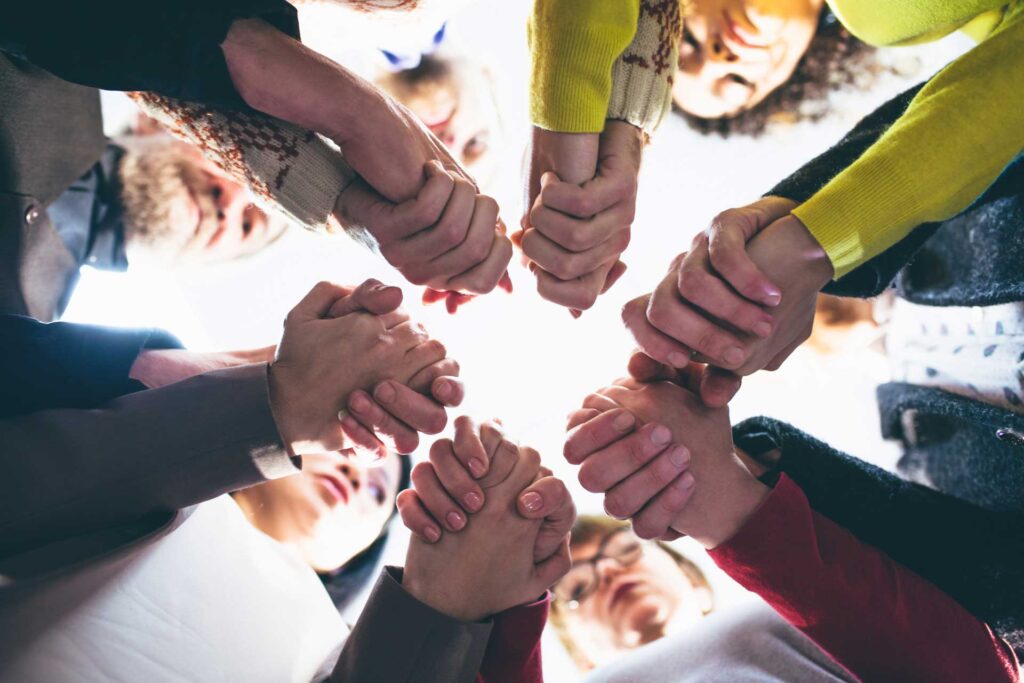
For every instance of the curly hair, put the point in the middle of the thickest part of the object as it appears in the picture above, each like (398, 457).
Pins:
(834, 60)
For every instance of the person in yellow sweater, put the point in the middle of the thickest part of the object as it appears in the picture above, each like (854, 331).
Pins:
(952, 141)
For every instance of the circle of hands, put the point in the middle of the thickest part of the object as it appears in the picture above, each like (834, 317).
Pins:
(490, 524)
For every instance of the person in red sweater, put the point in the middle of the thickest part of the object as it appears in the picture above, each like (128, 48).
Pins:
(878, 619)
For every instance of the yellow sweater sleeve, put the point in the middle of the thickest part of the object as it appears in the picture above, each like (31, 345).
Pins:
(957, 135)
(573, 44)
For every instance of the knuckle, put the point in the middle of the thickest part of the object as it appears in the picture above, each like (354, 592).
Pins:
(435, 347)
(691, 282)
(614, 507)
(422, 473)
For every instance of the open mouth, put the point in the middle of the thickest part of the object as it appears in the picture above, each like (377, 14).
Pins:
(621, 591)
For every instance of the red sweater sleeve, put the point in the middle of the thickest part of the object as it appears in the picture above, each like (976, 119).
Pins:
(513, 651)
(874, 616)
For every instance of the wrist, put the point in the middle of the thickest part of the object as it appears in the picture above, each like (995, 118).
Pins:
(809, 257)
(735, 501)
(281, 77)
(426, 593)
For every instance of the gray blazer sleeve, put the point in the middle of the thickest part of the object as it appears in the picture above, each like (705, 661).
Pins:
(70, 472)
(398, 639)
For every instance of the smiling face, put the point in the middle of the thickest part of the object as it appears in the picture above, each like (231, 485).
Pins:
(180, 209)
(638, 592)
(329, 512)
(734, 53)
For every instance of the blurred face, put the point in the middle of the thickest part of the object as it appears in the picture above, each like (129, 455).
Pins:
(735, 52)
(180, 209)
(459, 108)
(628, 593)
(330, 512)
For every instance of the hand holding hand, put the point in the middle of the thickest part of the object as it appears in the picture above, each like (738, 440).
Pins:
(493, 563)
(448, 237)
(454, 487)
(321, 361)
(724, 492)
(693, 312)
(580, 213)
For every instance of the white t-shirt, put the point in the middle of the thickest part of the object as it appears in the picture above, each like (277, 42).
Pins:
(213, 599)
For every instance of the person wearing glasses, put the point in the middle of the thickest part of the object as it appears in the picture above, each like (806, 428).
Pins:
(623, 592)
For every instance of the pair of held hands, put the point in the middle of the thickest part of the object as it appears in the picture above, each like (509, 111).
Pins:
(419, 206)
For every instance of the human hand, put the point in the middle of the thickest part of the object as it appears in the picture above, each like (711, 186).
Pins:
(321, 361)
(448, 237)
(670, 326)
(715, 386)
(462, 471)
(724, 492)
(579, 224)
(493, 563)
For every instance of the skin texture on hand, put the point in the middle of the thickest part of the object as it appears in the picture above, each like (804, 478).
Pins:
(454, 485)
(448, 237)
(581, 199)
(491, 565)
(159, 367)
(694, 313)
(321, 361)
(724, 492)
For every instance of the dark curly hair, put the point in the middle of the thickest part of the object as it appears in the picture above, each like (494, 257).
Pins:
(834, 60)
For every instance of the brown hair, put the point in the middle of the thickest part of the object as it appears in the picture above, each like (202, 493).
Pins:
(834, 60)
(587, 529)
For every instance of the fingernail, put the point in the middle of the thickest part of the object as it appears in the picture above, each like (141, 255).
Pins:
(772, 297)
(473, 501)
(623, 422)
(678, 360)
(444, 389)
(762, 329)
(360, 404)
(686, 481)
(379, 287)
(661, 435)
(532, 501)
(733, 356)
(679, 456)
(454, 520)
(476, 467)
(432, 533)
(385, 393)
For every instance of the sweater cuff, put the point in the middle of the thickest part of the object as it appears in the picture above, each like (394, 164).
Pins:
(642, 76)
(571, 61)
(398, 638)
(757, 542)
(286, 167)
(862, 212)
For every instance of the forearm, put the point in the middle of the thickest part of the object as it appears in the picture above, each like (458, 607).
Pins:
(513, 652)
(911, 523)
(431, 647)
(878, 619)
(65, 365)
(641, 92)
(171, 49)
(573, 44)
(288, 168)
(162, 449)
(954, 139)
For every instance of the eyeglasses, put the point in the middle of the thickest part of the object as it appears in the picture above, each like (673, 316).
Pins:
(582, 579)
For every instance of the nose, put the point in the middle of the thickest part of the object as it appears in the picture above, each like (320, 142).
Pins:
(608, 569)
(231, 200)
(718, 51)
(354, 476)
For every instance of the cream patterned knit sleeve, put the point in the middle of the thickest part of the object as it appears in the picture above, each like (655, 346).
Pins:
(642, 76)
(287, 168)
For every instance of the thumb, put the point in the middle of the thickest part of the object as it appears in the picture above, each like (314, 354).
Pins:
(318, 302)
(371, 297)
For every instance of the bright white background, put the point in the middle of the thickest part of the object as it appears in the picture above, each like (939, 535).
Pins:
(524, 360)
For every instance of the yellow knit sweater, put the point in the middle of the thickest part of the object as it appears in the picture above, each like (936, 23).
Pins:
(955, 138)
